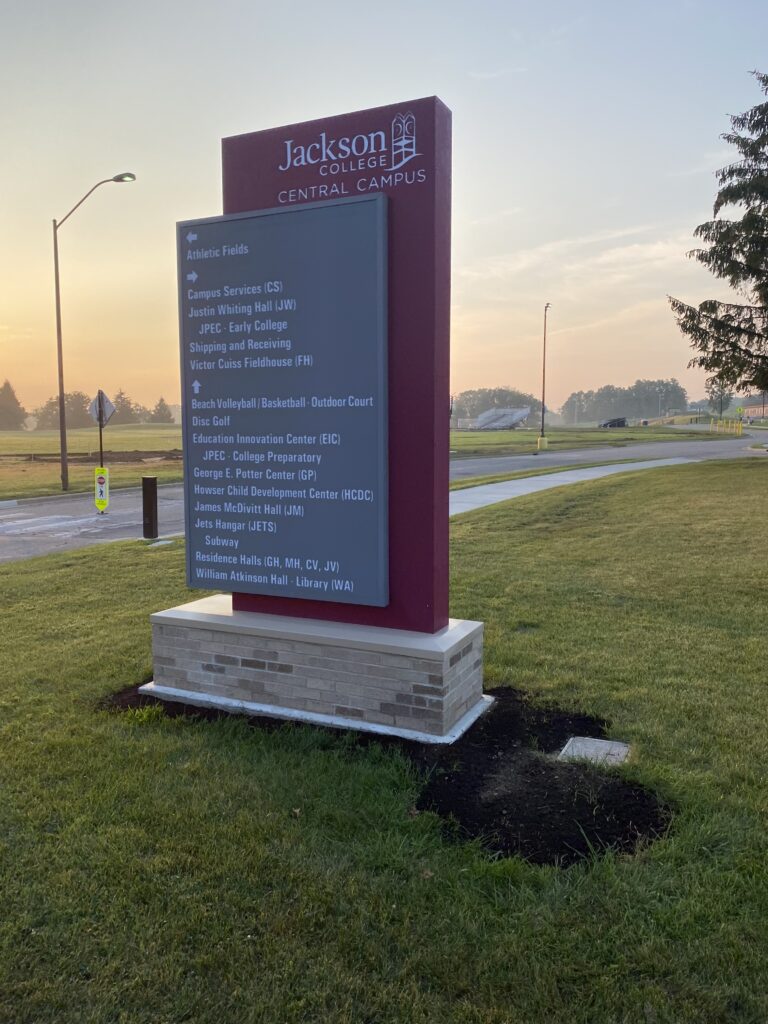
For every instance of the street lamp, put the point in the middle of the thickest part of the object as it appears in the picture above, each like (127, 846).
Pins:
(126, 176)
(542, 443)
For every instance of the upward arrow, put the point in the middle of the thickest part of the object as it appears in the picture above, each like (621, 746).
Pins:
(196, 385)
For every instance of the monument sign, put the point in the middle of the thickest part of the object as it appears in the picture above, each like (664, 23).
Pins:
(314, 337)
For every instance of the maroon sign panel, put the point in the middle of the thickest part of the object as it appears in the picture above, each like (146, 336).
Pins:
(404, 151)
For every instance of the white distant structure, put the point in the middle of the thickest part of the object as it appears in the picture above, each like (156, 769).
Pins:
(502, 419)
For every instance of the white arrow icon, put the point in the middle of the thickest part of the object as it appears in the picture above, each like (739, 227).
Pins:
(191, 236)
(192, 277)
(196, 385)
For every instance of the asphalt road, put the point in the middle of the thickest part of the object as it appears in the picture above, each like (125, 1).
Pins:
(39, 526)
(731, 448)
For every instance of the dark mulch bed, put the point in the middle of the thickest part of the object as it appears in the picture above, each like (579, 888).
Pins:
(496, 783)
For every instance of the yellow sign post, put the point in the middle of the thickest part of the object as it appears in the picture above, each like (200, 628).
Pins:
(101, 489)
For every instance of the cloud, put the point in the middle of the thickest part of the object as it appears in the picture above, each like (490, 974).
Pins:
(605, 270)
(632, 315)
(624, 262)
(510, 264)
(8, 333)
(710, 162)
(497, 215)
(491, 76)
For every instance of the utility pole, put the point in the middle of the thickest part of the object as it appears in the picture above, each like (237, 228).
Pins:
(542, 443)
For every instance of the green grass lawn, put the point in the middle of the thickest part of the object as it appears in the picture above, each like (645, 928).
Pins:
(156, 870)
(20, 478)
(23, 479)
(473, 443)
(143, 437)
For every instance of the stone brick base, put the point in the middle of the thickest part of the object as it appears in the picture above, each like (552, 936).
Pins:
(383, 680)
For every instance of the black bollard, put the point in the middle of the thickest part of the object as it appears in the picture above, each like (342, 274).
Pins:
(149, 504)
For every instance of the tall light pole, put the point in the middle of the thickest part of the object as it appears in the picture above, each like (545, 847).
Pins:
(127, 176)
(542, 443)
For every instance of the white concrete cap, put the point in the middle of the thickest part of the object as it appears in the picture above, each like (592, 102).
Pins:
(216, 612)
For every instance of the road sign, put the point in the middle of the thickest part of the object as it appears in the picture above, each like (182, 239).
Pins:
(101, 489)
(285, 443)
(107, 409)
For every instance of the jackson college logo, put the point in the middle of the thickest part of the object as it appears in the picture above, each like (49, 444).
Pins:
(356, 152)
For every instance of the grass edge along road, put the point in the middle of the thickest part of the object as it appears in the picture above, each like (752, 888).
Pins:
(38, 480)
(158, 869)
(164, 437)
(461, 483)
(474, 443)
(41, 480)
(22, 478)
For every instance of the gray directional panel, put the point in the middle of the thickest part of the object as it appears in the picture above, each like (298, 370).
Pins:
(284, 376)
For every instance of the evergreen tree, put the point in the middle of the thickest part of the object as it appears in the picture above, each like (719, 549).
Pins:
(161, 412)
(12, 414)
(125, 410)
(75, 406)
(732, 339)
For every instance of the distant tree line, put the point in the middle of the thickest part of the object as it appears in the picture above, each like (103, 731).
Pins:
(76, 406)
(644, 399)
(13, 415)
(470, 404)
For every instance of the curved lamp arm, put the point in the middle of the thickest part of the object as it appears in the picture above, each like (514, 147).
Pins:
(127, 176)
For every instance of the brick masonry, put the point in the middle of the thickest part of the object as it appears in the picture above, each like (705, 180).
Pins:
(417, 682)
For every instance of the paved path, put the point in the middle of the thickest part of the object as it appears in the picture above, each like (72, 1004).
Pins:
(40, 526)
(489, 494)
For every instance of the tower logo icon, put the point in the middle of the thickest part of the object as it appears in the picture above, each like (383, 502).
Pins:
(403, 139)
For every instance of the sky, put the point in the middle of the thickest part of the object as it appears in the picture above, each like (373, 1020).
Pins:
(585, 139)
